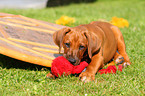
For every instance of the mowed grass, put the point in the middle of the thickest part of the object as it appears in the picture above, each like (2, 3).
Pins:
(19, 78)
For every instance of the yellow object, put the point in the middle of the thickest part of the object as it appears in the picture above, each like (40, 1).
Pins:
(119, 22)
(65, 20)
(25, 48)
(32, 43)
(27, 27)
(25, 57)
(28, 39)
(45, 50)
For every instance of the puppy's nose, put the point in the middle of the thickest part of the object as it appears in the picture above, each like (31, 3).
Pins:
(72, 60)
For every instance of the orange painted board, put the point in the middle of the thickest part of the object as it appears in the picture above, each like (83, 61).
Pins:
(27, 39)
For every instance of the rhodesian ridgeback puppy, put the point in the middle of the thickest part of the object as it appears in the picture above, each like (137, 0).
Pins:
(97, 41)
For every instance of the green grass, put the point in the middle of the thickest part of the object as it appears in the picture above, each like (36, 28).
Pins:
(19, 78)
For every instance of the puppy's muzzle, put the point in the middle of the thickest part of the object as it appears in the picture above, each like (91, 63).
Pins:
(72, 60)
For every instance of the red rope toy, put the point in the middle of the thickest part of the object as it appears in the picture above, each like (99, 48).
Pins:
(61, 66)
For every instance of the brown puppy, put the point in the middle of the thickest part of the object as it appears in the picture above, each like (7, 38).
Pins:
(98, 41)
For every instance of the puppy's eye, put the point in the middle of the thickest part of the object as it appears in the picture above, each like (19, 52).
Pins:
(67, 45)
(81, 47)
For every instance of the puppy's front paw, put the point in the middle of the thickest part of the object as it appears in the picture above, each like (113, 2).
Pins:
(119, 60)
(50, 75)
(125, 64)
(87, 77)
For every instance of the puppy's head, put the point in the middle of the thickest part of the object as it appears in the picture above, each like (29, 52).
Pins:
(75, 42)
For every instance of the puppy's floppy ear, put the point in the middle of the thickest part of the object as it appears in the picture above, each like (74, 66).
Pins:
(59, 35)
(94, 44)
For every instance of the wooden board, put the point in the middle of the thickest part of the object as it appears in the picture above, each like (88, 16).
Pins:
(28, 39)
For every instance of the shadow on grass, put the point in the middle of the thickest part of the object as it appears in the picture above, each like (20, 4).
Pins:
(7, 62)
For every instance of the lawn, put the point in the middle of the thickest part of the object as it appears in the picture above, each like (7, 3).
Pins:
(19, 78)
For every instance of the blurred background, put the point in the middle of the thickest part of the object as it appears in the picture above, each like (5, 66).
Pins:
(24, 4)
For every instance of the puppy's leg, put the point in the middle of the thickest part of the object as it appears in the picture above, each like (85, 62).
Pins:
(122, 51)
(121, 45)
(93, 67)
(118, 59)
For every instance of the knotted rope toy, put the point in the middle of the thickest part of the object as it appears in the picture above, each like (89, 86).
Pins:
(61, 66)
